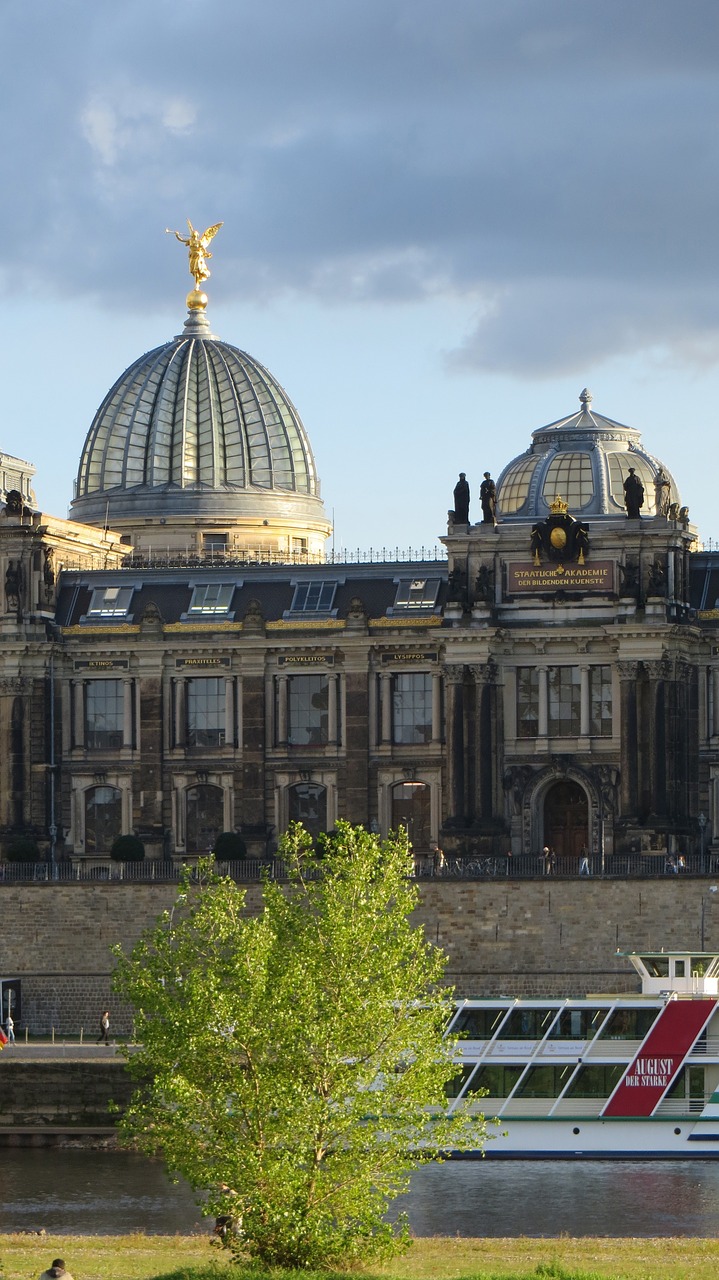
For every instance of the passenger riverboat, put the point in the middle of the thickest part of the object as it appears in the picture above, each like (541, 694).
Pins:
(604, 1076)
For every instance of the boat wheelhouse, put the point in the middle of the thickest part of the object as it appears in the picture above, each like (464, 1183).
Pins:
(602, 1076)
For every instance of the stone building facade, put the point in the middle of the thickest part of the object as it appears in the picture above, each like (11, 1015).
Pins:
(178, 659)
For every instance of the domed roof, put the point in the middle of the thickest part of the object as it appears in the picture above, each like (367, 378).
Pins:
(583, 459)
(195, 427)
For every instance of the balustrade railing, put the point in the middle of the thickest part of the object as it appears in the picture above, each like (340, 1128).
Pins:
(254, 870)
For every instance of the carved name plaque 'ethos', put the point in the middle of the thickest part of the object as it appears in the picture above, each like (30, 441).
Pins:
(527, 578)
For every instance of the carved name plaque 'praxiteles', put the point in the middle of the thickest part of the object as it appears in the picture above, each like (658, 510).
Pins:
(527, 578)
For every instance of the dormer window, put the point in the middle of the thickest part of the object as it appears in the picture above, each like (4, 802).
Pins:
(313, 597)
(211, 598)
(110, 602)
(418, 594)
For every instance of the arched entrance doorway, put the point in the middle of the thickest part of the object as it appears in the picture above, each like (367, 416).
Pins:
(566, 818)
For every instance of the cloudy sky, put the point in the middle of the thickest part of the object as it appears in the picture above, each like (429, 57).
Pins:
(442, 221)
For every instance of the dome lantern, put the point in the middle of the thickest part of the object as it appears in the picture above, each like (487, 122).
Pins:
(584, 459)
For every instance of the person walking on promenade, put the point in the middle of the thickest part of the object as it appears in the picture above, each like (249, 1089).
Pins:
(104, 1028)
(584, 861)
(56, 1271)
(438, 859)
(10, 1028)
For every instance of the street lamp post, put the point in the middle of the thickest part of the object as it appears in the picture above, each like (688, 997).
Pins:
(702, 836)
(713, 890)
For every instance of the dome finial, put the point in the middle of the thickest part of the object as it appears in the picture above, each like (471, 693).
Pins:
(198, 253)
(585, 399)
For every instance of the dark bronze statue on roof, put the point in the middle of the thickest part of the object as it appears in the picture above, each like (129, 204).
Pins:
(461, 500)
(633, 494)
(488, 499)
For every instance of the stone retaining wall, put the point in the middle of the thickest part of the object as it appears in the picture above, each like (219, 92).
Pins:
(66, 1095)
(526, 937)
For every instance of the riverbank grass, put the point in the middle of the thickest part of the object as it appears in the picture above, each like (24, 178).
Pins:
(141, 1257)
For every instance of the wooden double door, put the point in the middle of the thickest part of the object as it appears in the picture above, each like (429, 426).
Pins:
(566, 819)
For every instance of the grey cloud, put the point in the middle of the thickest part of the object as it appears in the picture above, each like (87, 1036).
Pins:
(390, 150)
(550, 327)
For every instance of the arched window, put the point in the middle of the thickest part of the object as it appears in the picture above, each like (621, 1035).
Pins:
(205, 817)
(411, 809)
(308, 805)
(103, 818)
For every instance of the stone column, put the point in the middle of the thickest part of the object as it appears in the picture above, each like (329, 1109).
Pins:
(454, 735)
(652, 736)
(372, 710)
(66, 716)
(584, 717)
(332, 709)
(138, 717)
(180, 689)
(385, 687)
(230, 712)
(78, 708)
(436, 708)
(282, 706)
(627, 672)
(127, 693)
(543, 710)
(270, 711)
(487, 764)
(714, 722)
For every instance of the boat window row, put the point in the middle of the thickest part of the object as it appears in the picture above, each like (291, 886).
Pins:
(568, 1080)
(563, 1024)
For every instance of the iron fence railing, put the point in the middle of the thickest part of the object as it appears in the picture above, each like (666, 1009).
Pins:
(618, 866)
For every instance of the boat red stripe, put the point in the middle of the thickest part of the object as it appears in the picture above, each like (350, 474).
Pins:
(660, 1057)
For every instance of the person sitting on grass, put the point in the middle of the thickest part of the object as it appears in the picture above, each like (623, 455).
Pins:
(56, 1271)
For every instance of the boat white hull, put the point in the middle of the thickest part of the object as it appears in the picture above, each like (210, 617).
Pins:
(597, 1139)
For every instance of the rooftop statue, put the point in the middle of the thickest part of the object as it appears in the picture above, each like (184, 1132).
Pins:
(461, 500)
(633, 494)
(197, 246)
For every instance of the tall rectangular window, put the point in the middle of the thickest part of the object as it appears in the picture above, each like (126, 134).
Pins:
(307, 720)
(600, 701)
(527, 702)
(206, 712)
(412, 707)
(104, 705)
(564, 702)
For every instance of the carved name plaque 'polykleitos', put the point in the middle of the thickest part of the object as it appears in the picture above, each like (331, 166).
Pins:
(527, 578)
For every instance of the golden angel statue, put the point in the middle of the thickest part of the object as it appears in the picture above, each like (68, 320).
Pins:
(197, 249)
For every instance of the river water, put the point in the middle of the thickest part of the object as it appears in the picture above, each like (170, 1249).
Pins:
(115, 1193)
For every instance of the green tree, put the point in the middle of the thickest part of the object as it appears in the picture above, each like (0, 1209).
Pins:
(293, 1064)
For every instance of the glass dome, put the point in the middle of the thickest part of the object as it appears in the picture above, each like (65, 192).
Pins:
(584, 459)
(196, 426)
